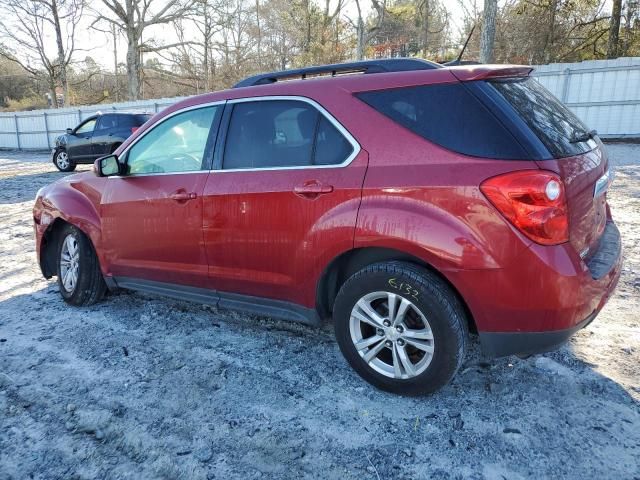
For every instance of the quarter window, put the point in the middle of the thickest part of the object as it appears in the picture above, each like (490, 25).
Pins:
(178, 144)
(282, 133)
(448, 115)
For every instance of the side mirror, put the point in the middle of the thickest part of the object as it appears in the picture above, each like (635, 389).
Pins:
(69, 131)
(107, 166)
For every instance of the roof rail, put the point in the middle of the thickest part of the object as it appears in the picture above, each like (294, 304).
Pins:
(365, 66)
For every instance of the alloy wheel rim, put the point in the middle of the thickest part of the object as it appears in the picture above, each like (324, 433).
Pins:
(391, 335)
(62, 159)
(69, 263)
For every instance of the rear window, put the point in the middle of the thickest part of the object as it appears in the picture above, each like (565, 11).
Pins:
(450, 116)
(129, 121)
(553, 123)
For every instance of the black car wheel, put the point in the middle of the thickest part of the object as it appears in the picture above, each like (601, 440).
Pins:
(401, 327)
(62, 161)
(79, 277)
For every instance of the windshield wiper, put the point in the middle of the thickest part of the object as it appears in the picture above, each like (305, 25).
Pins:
(583, 136)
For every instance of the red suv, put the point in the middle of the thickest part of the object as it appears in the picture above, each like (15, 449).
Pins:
(409, 202)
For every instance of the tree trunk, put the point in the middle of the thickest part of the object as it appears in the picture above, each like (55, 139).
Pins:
(425, 29)
(62, 63)
(52, 90)
(548, 40)
(116, 86)
(488, 30)
(133, 67)
(359, 34)
(259, 45)
(614, 29)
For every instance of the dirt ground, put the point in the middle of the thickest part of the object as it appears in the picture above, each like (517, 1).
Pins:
(142, 387)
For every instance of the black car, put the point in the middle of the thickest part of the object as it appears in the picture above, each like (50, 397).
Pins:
(95, 137)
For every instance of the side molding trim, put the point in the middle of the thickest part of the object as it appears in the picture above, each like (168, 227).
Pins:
(226, 301)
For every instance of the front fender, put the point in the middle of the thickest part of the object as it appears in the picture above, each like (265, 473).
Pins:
(74, 200)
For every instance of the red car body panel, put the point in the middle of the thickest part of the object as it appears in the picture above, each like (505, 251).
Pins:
(149, 235)
(248, 232)
(264, 240)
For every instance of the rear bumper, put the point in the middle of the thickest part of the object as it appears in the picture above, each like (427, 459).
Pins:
(500, 344)
(550, 293)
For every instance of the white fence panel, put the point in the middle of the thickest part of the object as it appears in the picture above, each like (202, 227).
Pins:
(38, 129)
(605, 94)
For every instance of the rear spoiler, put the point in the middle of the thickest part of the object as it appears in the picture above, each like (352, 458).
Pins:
(469, 73)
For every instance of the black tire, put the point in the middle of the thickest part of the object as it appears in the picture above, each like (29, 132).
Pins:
(433, 297)
(90, 287)
(62, 161)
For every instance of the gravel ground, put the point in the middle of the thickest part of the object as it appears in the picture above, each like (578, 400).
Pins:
(143, 387)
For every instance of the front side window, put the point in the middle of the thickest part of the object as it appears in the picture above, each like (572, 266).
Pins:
(282, 133)
(87, 127)
(177, 144)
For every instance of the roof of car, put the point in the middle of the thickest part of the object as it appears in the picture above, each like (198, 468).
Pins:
(316, 85)
(119, 112)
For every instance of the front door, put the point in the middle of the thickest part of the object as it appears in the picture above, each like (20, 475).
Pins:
(152, 216)
(286, 193)
(79, 145)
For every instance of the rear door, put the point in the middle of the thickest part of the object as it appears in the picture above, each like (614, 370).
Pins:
(285, 191)
(79, 146)
(152, 217)
(578, 157)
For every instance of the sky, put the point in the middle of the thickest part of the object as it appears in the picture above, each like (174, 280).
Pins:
(99, 46)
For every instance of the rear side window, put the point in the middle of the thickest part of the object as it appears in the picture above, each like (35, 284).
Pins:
(282, 133)
(450, 116)
(107, 122)
(553, 123)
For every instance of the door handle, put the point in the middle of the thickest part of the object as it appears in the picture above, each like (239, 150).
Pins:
(182, 196)
(312, 189)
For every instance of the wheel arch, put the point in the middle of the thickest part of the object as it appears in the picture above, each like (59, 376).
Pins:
(50, 241)
(351, 261)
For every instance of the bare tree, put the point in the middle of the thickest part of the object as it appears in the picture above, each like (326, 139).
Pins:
(364, 35)
(614, 29)
(28, 24)
(488, 30)
(132, 17)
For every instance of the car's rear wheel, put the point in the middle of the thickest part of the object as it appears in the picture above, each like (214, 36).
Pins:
(79, 277)
(400, 327)
(62, 161)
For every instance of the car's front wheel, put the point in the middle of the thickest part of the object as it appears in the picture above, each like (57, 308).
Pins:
(401, 327)
(62, 161)
(79, 277)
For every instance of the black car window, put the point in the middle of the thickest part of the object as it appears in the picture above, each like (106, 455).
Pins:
(177, 144)
(281, 133)
(450, 116)
(129, 120)
(331, 146)
(553, 123)
(107, 122)
(86, 127)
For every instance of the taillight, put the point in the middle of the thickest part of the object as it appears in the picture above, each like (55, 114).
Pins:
(133, 129)
(533, 201)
